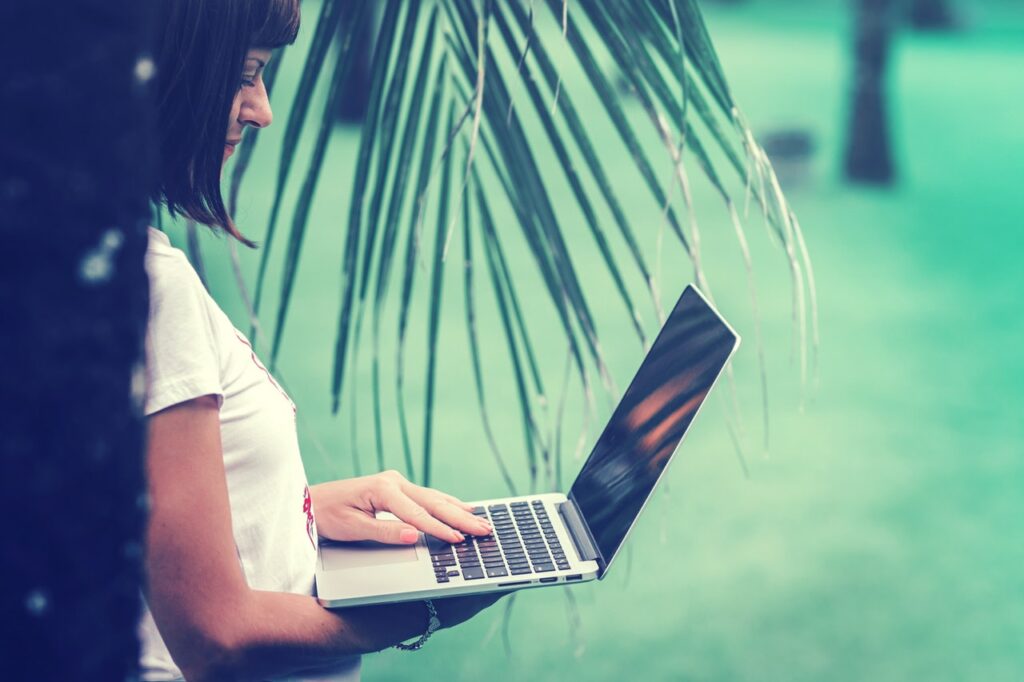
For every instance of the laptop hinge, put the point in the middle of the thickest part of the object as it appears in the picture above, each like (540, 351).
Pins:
(581, 538)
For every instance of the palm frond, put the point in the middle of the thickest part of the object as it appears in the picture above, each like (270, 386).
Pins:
(469, 292)
(497, 74)
(411, 248)
(331, 14)
(436, 291)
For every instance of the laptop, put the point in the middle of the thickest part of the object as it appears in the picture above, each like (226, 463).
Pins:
(552, 538)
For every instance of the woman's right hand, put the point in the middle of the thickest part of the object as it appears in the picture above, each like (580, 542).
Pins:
(347, 510)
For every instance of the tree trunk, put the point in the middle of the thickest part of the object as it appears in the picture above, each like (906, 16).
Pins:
(868, 153)
(931, 15)
(74, 181)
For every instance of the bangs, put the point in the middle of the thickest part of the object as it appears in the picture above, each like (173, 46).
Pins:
(275, 23)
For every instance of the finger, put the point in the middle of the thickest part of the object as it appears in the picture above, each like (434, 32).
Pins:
(364, 527)
(454, 515)
(456, 501)
(406, 509)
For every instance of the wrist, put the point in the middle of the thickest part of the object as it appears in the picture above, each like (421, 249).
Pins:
(433, 625)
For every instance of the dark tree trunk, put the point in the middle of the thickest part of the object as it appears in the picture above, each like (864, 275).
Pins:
(74, 169)
(931, 15)
(868, 152)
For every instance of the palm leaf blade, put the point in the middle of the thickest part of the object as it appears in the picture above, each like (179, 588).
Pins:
(353, 231)
(330, 16)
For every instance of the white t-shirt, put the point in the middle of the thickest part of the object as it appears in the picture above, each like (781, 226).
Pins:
(192, 350)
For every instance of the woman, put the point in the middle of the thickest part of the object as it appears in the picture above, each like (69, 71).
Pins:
(233, 530)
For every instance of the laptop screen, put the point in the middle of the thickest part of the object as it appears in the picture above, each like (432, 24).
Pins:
(651, 419)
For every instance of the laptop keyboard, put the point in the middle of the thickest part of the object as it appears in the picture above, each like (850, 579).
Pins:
(523, 543)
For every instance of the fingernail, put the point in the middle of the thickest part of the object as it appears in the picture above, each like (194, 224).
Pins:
(459, 537)
(408, 535)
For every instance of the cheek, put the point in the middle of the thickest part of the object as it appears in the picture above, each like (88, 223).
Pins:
(236, 108)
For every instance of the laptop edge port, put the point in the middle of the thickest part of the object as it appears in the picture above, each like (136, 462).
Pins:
(573, 577)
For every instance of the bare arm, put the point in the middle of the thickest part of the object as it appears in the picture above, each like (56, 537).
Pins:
(214, 625)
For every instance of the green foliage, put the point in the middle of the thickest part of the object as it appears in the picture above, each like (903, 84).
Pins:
(470, 60)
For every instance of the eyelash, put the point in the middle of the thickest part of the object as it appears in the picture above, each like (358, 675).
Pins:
(249, 82)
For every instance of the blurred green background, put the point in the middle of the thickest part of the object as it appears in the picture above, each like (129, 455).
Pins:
(881, 533)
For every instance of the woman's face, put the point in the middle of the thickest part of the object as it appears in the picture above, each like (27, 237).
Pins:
(251, 106)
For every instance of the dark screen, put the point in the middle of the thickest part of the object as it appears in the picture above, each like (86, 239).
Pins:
(652, 417)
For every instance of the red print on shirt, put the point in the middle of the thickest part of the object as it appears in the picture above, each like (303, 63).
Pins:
(307, 506)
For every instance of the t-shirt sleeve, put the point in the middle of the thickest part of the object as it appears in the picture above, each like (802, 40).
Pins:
(182, 360)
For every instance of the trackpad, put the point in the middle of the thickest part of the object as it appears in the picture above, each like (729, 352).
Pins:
(346, 555)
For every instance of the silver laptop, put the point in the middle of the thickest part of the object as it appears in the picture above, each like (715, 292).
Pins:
(554, 539)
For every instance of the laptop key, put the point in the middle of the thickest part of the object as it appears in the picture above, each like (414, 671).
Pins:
(436, 545)
(472, 572)
(520, 570)
(453, 574)
(496, 572)
(543, 568)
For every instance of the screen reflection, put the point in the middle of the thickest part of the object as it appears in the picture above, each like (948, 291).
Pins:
(650, 420)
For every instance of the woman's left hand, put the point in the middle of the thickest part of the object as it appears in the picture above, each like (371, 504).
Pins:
(346, 510)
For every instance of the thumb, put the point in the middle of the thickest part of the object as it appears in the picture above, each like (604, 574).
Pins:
(390, 532)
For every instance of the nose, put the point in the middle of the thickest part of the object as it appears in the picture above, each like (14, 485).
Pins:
(255, 109)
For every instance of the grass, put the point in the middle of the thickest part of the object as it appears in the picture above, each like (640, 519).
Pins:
(880, 536)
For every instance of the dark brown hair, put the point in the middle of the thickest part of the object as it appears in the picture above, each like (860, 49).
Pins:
(200, 53)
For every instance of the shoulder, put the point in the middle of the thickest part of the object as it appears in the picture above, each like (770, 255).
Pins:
(169, 271)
